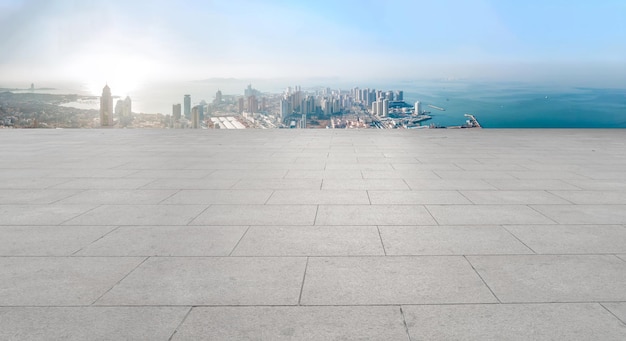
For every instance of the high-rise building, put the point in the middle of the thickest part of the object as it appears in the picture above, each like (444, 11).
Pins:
(176, 111)
(284, 108)
(374, 108)
(218, 97)
(240, 105)
(106, 107)
(379, 108)
(399, 95)
(195, 117)
(253, 104)
(385, 108)
(418, 108)
(187, 106)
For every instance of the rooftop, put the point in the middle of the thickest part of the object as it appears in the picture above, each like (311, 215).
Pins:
(313, 234)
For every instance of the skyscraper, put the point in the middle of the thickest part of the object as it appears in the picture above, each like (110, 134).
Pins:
(418, 108)
(187, 107)
(176, 111)
(195, 117)
(106, 107)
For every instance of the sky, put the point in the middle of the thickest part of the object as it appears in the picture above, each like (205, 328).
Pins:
(135, 41)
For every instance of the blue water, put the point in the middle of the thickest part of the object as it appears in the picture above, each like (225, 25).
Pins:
(522, 106)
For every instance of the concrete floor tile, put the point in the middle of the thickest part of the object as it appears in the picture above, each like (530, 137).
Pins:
(89, 323)
(293, 323)
(532, 184)
(447, 184)
(315, 197)
(167, 241)
(29, 183)
(425, 166)
(486, 215)
(48, 281)
(205, 183)
(33, 196)
(599, 185)
(118, 197)
(559, 175)
(40, 214)
(392, 280)
(170, 174)
(48, 240)
(593, 197)
(275, 184)
(78, 173)
(310, 241)
(257, 215)
(449, 240)
(373, 215)
(211, 281)
(103, 183)
(248, 174)
(416, 197)
(364, 184)
(584, 214)
(358, 166)
(325, 174)
(139, 215)
(542, 278)
(470, 175)
(572, 239)
(513, 197)
(512, 322)
(218, 196)
(400, 174)
(619, 309)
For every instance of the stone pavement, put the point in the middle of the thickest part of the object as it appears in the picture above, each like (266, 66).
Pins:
(313, 235)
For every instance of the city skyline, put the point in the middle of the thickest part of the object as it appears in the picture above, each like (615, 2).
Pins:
(130, 43)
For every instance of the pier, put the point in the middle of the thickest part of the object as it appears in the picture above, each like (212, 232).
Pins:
(472, 122)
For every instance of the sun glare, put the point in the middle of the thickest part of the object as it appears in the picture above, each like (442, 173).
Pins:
(123, 74)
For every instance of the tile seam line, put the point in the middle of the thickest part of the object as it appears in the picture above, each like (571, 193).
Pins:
(306, 266)
(115, 228)
(196, 217)
(181, 323)
(406, 326)
(610, 312)
(518, 239)
(118, 282)
(80, 215)
(482, 279)
(239, 241)
(169, 197)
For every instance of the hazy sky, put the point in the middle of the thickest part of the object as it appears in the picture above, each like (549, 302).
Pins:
(140, 40)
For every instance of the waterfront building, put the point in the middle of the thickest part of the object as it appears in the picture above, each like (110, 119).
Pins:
(284, 108)
(253, 104)
(218, 97)
(176, 111)
(240, 102)
(385, 106)
(374, 108)
(195, 117)
(187, 103)
(418, 108)
(106, 107)
(399, 95)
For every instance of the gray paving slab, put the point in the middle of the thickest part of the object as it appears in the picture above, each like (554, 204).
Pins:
(293, 323)
(373, 215)
(29, 183)
(118, 197)
(51, 281)
(358, 166)
(204, 183)
(512, 322)
(248, 174)
(623, 257)
(276, 184)
(416, 197)
(600, 185)
(167, 241)
(559, 175)
(448, 184)
(449, 240)
(33, 196)
(76, 173)
(310, 241)
(533, 184)
(48, 240)
(364, 184)
(89, 323)
(169, 174)
(543, 278)
(469, 175)
(425, 166)
(211, 281)
(315, 197)
(618, 309)
(399, 174)
(257, 215)
(593, 197)
(572, 239)
(392, 280)
(486, 215)
(584, 214)
(103, 183)
(40, 214)
(325, 174)
(139, 215)
(218, 196)
(513, 197)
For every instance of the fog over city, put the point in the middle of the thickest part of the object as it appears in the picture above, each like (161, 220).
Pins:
(124, 43)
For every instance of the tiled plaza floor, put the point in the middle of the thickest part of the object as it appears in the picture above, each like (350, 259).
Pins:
(313, 235)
